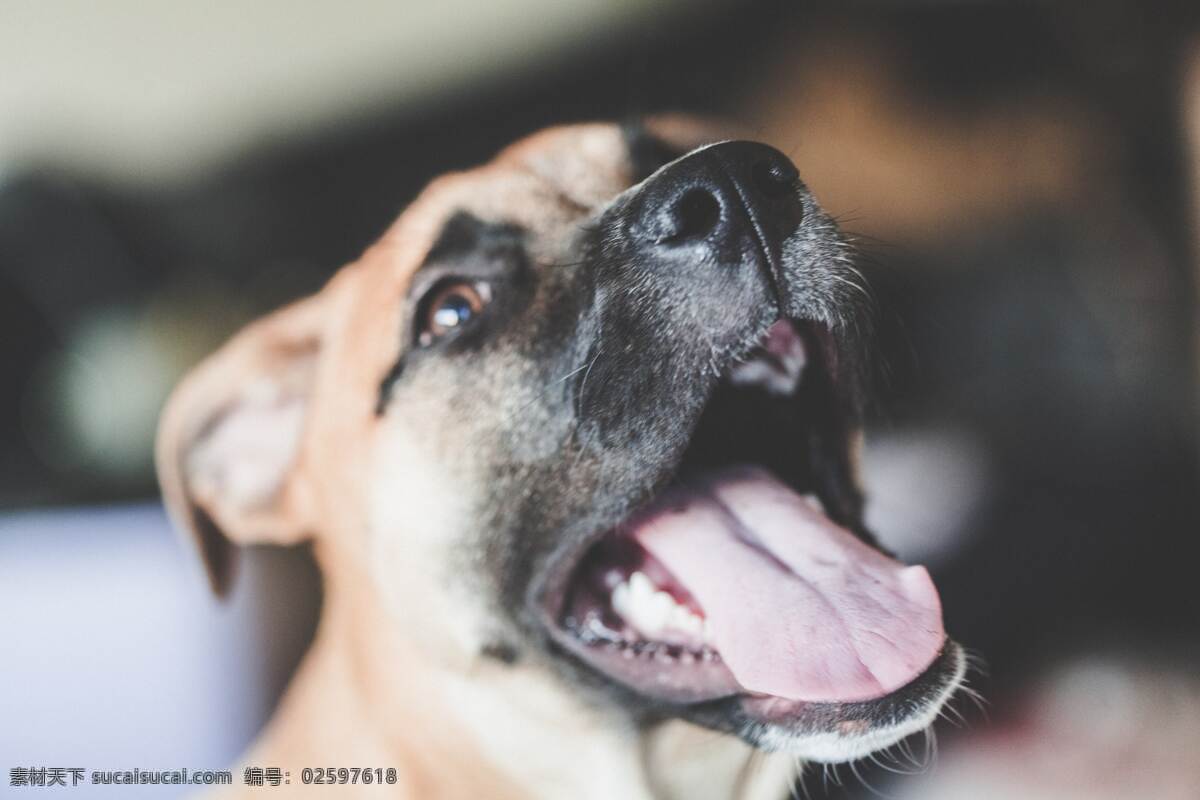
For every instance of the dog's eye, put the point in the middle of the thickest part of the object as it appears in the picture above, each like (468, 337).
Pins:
(450, 307)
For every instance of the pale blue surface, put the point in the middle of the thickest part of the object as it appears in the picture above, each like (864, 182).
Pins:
(114, 656)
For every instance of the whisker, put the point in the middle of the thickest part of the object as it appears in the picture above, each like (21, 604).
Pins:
(798, 778)
(580, 400)
(551, 385)
(980, 702)
(898, 769)
(976, 663)
(853, 286)
(931, 746)
(866, 785)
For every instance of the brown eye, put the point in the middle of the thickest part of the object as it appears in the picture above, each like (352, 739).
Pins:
(451, 307)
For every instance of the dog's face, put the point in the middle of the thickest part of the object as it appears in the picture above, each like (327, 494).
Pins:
(589, 410)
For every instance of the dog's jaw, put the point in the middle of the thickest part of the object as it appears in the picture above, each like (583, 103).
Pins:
(460, 728)
(501, 711)
(488, 701)
(833, 747)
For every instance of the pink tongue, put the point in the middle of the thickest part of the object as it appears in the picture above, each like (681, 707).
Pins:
(797, 606)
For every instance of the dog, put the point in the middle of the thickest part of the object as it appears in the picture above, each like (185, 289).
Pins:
(574, 446)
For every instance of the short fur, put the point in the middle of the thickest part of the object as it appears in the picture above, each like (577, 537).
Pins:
(437, 484)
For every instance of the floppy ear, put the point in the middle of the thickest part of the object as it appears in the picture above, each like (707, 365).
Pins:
(229, 438)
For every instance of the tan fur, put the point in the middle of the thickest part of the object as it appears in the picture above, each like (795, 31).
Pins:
(394, 677)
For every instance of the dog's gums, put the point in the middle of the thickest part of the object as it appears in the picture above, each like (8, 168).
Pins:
(734, 581)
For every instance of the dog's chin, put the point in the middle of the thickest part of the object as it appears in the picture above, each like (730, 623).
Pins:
(746, 595)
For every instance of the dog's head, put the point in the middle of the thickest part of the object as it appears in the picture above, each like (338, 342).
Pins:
(589, 409)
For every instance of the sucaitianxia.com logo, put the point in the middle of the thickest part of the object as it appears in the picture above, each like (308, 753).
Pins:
(40, 777)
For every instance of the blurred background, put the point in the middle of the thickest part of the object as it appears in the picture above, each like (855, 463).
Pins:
(1021, 179)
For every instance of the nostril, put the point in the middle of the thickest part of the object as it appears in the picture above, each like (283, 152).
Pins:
(775, 178)
(694, 215)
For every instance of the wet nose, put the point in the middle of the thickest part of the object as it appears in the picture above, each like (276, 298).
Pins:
(721, 195)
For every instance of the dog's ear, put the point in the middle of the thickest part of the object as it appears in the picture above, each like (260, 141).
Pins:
(229, 438)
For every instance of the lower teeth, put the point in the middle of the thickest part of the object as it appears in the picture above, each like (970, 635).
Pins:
(595, 632)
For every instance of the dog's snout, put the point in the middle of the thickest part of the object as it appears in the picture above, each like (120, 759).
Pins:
(695, 214)
(719, 195)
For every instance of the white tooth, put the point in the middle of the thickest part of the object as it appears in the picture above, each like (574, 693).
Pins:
(651, 610)
(624, 599)
(612, 578)
(705, 631)
(644, 609)
(639, 591)
(640, 585)
(685, 621)
(664, 603)
(660, 608)
(621, 599)
(596, 626)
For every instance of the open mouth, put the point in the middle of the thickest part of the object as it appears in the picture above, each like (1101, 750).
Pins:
(745, 576)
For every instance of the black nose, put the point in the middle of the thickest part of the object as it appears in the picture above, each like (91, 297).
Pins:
(721, 197)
